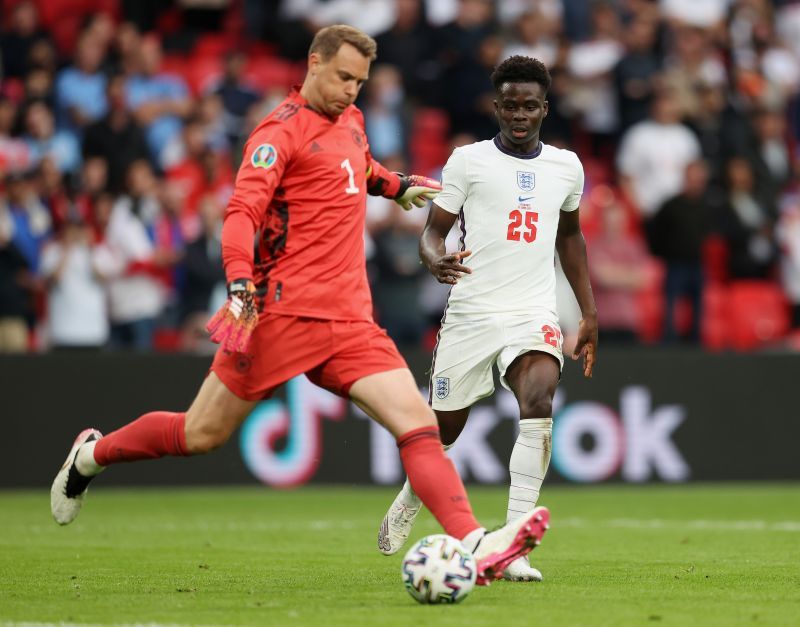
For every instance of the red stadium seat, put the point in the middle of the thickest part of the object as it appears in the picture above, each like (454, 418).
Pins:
(714, 325)
(758, 314)
(650, 302)
(715, 255)
(428, 143)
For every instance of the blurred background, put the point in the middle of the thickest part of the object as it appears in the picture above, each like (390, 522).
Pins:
(122, 124)
(121, 129)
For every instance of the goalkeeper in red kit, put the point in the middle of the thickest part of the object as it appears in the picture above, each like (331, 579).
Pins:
(303, 305)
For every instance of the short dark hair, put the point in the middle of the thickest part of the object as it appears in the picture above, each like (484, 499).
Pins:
(328, 40)
(519, 69)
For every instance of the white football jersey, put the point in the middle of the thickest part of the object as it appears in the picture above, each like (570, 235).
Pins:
(508, 207)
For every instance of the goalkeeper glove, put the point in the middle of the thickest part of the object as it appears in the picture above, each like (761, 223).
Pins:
(232, 326)
(416, 190)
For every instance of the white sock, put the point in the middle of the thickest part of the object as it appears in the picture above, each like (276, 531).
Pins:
(528, 465)
(84, 460)
(470, 541)
(407, 495)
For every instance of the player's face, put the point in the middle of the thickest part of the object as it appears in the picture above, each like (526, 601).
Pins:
(338, 80)
(520, 109)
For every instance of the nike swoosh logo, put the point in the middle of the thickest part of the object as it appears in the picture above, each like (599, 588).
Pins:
(524, 198)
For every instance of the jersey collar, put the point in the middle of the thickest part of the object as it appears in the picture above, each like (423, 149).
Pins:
(518, 155)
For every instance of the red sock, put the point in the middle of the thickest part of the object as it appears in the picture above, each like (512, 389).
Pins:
(153, 435)
(435, 480)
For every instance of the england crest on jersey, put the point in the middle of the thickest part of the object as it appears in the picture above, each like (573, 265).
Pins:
(442, 387)
(526, 181)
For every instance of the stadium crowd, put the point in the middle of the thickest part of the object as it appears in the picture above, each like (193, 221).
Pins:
(122, 125)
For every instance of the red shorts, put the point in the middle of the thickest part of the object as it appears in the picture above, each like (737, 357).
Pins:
(333, 354)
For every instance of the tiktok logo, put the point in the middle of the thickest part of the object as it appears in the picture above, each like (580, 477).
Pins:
(281, 442)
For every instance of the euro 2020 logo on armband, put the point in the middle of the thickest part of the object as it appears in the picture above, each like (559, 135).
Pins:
(264, 156)
(526, 181)
(442, 387)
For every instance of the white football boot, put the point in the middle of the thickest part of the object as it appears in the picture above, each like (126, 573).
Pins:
(497, 549)
(396, 525)
(69, 487)
(521, 570)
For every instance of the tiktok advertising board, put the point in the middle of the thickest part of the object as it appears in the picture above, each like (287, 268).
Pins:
(646, 416)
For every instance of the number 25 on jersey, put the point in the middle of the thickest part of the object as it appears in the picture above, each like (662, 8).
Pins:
(516, 229)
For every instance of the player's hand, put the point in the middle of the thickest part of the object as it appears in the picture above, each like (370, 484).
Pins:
(449, 269)
(232, 326)
(416, 190)
(586, 344)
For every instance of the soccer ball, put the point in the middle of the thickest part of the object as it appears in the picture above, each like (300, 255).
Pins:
(438, 569)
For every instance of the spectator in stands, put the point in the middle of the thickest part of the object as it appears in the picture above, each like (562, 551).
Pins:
(769, 155)
(81, 87)
(200, 171)
(747, 225)
(649, 172)
(788, 236)
(677, 234)
(237, 97)
(619, 271)
(395, 260)
(117, 137)
(383, 112)
(14, 296)
(74, 270)
(462, 76)
(721, 129)
(136, 294)
(693, 61)
(591, 64)
(204, 286)
(39, 86)
(159, 101)
(470, 97)
(635, 74)
(535, 36)
(17, 41)
(29, 217)
(408, 46)
(14, 153)
(44, 140)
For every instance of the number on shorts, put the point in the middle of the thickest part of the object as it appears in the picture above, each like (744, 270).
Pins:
(552, 336)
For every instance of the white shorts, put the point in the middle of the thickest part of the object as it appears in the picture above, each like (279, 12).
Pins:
(465, 352)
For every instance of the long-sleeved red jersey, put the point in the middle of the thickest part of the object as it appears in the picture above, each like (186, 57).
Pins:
(302, 186)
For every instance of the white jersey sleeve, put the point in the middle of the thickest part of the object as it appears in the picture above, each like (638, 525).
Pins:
(455, 185)
(573, 201)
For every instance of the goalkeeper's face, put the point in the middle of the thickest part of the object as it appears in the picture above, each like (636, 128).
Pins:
(520, 109)
(337, 81)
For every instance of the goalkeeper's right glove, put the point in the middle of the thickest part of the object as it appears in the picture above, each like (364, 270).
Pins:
(416, 190)
(232, 326)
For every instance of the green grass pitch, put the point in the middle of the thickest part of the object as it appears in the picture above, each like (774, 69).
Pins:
(725, 554)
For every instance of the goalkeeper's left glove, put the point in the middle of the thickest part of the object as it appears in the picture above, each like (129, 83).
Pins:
(232, 326)
(416, 190)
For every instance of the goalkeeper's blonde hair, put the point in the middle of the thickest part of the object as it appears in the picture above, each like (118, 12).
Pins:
(328, 40)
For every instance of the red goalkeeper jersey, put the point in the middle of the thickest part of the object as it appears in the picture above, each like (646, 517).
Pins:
(302, 188)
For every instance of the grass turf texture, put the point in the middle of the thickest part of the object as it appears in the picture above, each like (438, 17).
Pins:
(668, 555)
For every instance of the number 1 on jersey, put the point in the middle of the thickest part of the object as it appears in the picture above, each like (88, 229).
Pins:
(351, 178)
(515, 226)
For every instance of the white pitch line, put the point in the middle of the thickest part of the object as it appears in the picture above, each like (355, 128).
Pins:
(791, 526)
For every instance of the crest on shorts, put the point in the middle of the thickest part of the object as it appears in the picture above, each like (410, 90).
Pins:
(442, 387)
(526, 181)
(264, 156)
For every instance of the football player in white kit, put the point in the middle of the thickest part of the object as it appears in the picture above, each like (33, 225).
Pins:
(516, 200)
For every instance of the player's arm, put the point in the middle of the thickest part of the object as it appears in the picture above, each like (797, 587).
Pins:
(265, 158)
(407, 190)
(571, 249)
(446, 268)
